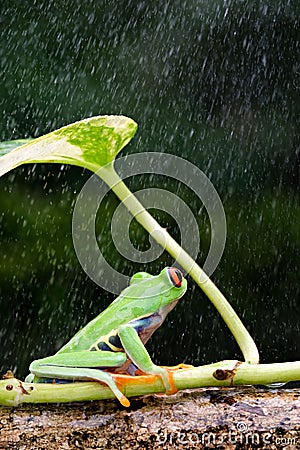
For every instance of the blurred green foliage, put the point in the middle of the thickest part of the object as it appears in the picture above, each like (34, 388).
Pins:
(215, 82)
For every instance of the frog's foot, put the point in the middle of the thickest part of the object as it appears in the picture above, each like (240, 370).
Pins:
(120, 396)
(108, 379)
(124, 401)
(168, 380)
(169, 372)
(179, 366)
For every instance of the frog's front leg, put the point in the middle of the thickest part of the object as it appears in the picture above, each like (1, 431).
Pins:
(137, 353)
(82, 366)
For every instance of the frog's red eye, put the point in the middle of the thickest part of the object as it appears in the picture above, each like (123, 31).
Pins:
(175, 276)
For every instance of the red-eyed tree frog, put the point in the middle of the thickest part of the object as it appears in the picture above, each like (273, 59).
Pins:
(114, 340)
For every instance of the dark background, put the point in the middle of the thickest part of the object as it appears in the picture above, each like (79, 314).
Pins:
(212, 81)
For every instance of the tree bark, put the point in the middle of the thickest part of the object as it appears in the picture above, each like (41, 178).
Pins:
(228, 418)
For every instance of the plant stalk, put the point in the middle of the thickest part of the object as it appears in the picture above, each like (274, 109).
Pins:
(162, 237)
(14, 392)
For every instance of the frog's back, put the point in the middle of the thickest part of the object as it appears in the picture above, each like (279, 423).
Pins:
(121, 311)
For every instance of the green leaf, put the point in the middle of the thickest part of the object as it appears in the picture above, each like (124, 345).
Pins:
(8, 146)
(90, 143)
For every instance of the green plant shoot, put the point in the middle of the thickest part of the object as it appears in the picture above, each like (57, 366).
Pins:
(94, 144)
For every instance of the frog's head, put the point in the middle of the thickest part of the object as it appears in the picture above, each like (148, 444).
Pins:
(174, 285)
(162, 289)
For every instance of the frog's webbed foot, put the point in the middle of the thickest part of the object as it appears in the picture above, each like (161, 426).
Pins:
(170, 370)
(166, 375)
(179, 366)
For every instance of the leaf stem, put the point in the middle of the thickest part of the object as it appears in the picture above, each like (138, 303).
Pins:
(162, 237)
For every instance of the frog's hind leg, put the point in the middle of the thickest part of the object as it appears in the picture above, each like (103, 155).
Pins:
(85, 374)
(82, 366)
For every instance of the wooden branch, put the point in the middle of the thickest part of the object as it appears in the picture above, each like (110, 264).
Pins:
(228, 418)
